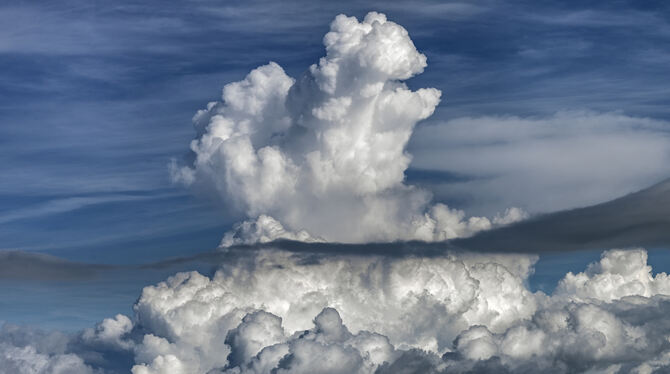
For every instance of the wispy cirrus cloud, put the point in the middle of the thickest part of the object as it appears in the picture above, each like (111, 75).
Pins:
(64, 205)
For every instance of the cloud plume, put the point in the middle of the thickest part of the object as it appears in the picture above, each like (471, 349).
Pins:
(323, 157)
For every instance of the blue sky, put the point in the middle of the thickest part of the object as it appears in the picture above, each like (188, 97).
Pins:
(96, 98)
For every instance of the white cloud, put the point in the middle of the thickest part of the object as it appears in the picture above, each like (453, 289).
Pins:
(618, 274)
(473, 288)
(58, 206)
(271, 310)
(28, 351)
(112, 332)
(263, 230)
(26, 360)
(323, 157)
(473, 309)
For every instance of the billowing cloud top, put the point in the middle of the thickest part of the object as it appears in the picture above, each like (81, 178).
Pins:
(323, 158)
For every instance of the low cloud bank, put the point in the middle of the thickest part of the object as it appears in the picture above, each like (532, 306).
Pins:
(270, 312)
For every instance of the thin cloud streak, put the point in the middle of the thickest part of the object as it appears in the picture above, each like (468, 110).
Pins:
(64, 205)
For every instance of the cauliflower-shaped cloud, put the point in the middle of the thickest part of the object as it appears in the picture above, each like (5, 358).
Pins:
(323, 157)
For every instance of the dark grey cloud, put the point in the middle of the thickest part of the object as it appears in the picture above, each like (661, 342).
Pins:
(23, 265)
(637, 219)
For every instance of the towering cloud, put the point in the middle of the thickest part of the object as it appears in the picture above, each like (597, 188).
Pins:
(323, 158)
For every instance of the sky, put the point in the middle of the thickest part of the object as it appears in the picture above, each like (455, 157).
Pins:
(539, 109)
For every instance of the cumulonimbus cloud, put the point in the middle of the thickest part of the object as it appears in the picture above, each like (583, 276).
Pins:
(323, 158)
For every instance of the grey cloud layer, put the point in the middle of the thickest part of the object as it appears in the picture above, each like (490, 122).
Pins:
(37, 266)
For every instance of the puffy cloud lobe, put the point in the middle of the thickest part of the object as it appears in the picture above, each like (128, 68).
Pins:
(256, 331)
(618, 274)
(263, 230)
(186, 328)
(323, 157)
(576, 330)
(26, 360)
(28, 351)
(361, 289)
(328, 347)
(110, 332)
(189, 315)
(568, 338)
